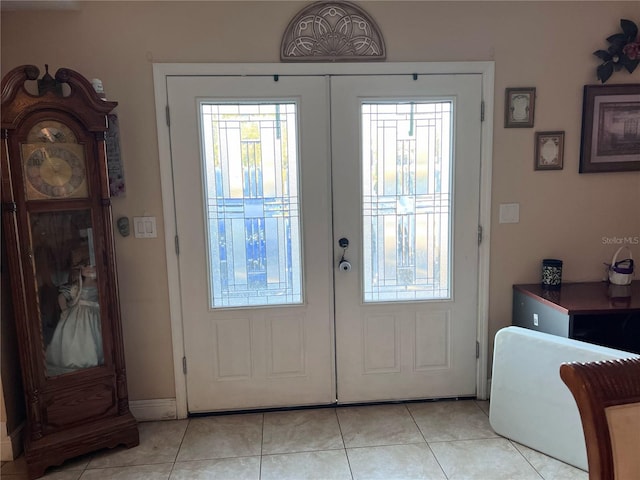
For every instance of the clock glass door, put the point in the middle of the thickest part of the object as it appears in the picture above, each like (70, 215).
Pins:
(67, 290)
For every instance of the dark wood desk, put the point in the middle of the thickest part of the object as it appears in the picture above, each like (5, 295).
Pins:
(594, 312)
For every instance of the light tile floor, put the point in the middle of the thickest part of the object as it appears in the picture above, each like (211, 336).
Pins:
(429, 440)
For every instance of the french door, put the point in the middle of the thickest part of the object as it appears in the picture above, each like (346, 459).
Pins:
(269, 175)
(406, 166)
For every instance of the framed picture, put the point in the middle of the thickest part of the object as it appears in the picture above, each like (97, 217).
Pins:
(610, 128)
(519, 107)
(549, 151)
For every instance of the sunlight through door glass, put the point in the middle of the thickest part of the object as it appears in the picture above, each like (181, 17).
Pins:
(252, 204)
(406, 200)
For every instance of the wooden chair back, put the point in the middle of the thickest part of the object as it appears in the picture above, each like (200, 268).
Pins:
(607, 394)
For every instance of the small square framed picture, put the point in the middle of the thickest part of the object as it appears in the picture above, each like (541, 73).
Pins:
(549, 151)
(519, 107)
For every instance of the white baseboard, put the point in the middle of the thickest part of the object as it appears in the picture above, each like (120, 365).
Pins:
(156, 409)
(10, 444)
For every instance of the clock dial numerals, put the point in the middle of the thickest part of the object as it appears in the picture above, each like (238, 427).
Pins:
(54, 171)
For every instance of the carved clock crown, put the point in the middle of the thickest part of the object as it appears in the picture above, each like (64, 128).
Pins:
(82, 99)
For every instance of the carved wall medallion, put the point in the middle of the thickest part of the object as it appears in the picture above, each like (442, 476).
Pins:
(332, 31)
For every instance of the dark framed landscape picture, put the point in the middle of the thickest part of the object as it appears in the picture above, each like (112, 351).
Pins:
(610, 128)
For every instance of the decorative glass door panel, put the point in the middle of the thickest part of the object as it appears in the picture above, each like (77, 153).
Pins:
(252, 204)
(406, 200)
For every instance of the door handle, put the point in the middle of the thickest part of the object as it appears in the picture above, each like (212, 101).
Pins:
(344, 264)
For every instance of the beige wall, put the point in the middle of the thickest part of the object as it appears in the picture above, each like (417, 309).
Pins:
(547, 45)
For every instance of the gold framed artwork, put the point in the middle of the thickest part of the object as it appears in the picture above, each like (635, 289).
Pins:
(519, 107)
(549, 151)
(610, 128)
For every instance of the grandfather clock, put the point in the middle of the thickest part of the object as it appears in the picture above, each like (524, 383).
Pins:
(57, 226)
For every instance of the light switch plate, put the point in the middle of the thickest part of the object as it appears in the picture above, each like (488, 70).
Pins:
(509, 213)
(145, 227)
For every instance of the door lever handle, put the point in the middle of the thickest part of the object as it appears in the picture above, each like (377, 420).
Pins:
(344, 264)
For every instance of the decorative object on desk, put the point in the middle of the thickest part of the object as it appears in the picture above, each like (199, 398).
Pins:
(549, 150)
(551, 273)
(519, 107)
(610, 128)
(621, 271)
(623, 51)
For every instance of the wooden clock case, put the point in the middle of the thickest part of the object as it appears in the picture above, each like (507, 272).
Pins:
(86, 408)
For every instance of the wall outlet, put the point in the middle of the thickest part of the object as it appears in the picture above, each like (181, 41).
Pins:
(535, 319)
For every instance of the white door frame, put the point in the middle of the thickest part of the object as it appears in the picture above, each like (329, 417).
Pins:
(163, 70)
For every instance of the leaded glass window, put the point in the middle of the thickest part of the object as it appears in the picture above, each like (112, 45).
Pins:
(252, 204)
(407, 210)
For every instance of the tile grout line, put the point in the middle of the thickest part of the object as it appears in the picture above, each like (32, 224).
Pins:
(344, 445)
(86, 467)
(427, 443)
(175, 459)
(481, 409)
(525, 458)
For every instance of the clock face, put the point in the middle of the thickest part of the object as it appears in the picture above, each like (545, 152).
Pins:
(51, 131)
(54, 165)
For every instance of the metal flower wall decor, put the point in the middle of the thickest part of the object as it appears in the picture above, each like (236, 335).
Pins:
(623, 51)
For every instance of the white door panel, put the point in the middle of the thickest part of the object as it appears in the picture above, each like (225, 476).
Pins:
(400, 348)
(256, 356)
